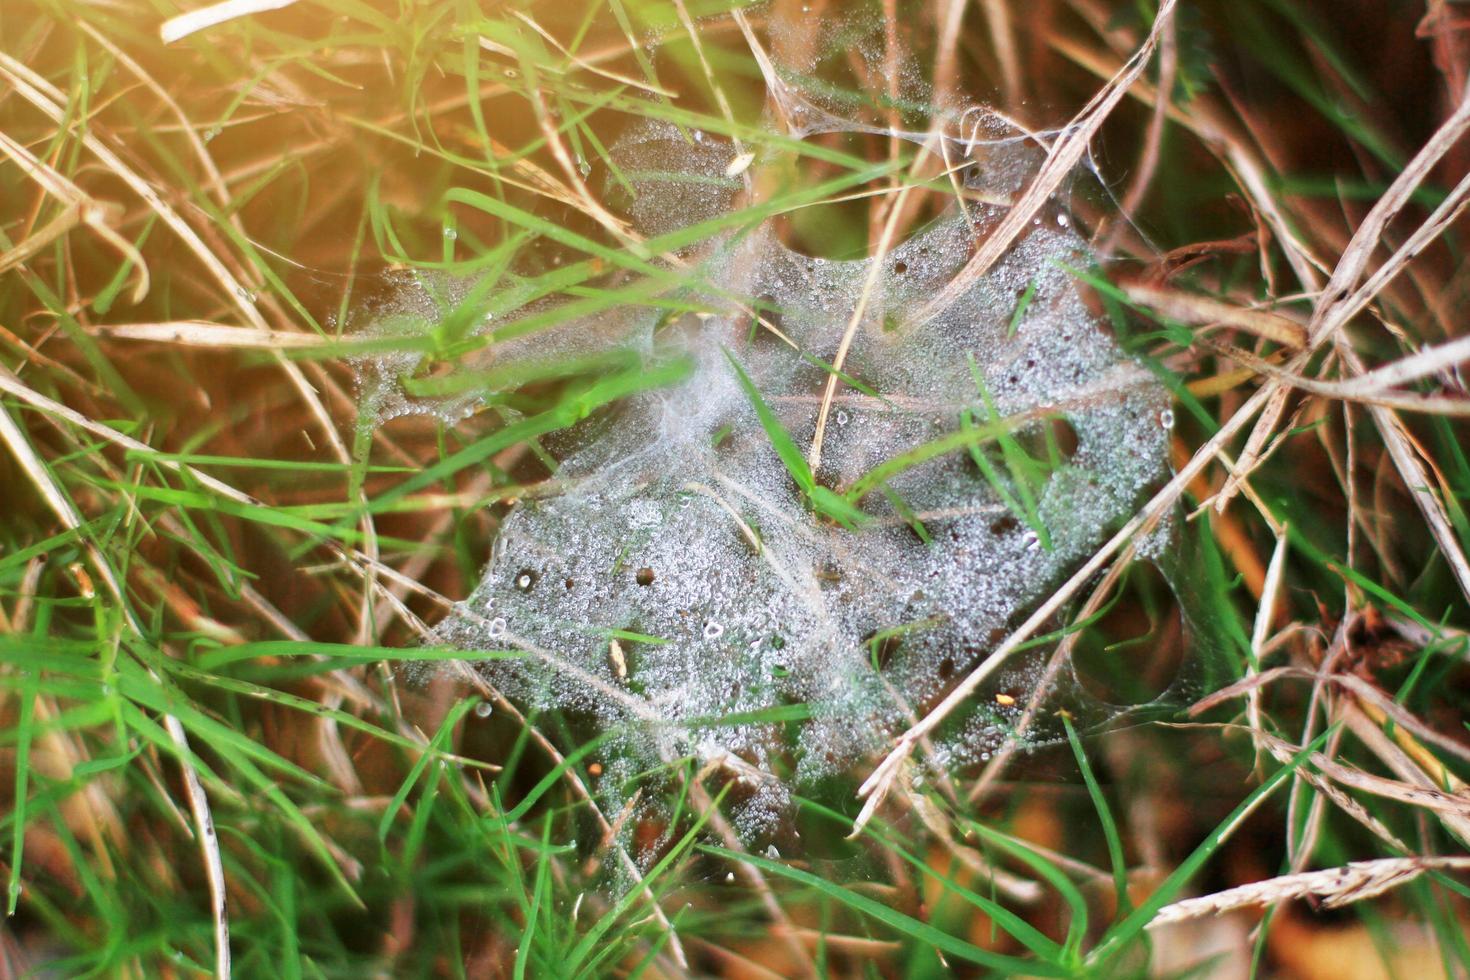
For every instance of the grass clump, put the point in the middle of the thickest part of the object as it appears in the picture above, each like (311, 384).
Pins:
(217, 568)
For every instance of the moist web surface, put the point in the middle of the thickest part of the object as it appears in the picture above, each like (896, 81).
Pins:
(678, 591)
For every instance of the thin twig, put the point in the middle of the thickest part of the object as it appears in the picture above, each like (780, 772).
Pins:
(1336, 887)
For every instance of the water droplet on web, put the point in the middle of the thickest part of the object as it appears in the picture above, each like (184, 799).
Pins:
(484, 709)
(841, 417)
(497, 628)
(1166, 418)
(713, 631)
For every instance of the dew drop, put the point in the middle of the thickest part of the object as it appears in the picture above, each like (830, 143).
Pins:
(497, 627)
(484, 709)
(1166, 418)
(841, 417)
(713, 630)
(450, 234)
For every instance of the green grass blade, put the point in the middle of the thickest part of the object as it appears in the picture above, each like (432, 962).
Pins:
(904, 925)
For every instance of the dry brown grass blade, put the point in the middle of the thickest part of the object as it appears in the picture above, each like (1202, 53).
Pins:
(1444, 214)
(1211, 126)
(81, 208)
(710, 77)
(203, 333)
(180, 27)
(1330, 314)
(1261, 630)
(1203, 311)
(860, 311)
(950, 19)
(1414, 787)
(1338, 301)
(1350, 390)
(1003, 40)
(12, 385)
(1066, 153)
(1417, 482)
(577, 60)
(1368, 694)
(1430, 360)
(614, 225)
(1283, 752)
(1335, 887)
(48, 100)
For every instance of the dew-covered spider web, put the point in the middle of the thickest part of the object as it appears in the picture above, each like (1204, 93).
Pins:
(679, 588)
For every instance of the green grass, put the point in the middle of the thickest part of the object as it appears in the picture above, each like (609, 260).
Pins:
(277, 555)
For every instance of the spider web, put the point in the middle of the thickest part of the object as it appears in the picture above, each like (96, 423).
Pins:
(677, 590)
